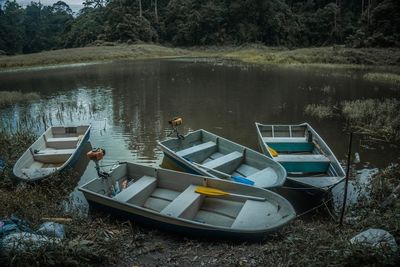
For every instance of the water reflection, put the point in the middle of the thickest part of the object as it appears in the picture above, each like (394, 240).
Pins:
(129, 103)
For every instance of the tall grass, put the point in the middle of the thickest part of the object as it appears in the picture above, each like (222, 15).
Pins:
(372, 117)
(375, 117)
(383, 77)
(8, 98)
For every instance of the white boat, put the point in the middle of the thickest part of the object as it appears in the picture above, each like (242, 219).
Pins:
(204, 153)
(188, 204)
(308, 160)
(56, 149)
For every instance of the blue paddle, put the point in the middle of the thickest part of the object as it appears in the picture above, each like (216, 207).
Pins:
(238, 179)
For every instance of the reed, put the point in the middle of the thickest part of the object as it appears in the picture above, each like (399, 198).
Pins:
(383, 77)
(8, 98)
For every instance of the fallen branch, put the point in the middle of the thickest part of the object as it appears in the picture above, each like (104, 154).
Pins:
(57, 219)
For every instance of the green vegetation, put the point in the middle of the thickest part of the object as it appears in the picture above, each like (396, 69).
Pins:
(379, 118)
(375, 118)
(289, 23)
(12, 97)
(319, 111)
(90, 54)
(332, 57)
(383, 77)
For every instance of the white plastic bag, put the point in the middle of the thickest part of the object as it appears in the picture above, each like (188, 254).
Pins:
(51, 229)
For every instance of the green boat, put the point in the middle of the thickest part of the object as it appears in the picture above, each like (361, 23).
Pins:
(308, 160)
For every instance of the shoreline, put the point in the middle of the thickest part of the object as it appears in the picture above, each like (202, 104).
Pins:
(382, 60)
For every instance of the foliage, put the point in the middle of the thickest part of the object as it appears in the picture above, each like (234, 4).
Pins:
(319, 111)
(10, 98)
(290, 23)
(374, 116)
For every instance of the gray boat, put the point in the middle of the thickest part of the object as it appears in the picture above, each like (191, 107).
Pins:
(56, 149)
(204, 153)
(308, 160)
(188, 204)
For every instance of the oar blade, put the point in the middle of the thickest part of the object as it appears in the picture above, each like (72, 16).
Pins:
(242, 180)
(209, 191)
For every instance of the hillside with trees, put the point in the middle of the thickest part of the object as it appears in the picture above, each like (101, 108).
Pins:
(289, 23)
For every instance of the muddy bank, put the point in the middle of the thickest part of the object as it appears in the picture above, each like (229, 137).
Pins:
(98, 239)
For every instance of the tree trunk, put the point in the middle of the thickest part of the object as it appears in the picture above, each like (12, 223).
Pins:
(140, 8)
(362, 7)
(155, 10)
(368, 11)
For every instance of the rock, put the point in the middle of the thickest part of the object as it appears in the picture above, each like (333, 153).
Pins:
(375, 238)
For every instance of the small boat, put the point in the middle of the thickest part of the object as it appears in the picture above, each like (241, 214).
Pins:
(188, 204)
(307, 159)
(201, 152)
(57, 148)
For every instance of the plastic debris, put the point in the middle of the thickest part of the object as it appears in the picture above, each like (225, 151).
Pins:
(52, 229)
(13, 225)
(2, 164)
(375, 238)
(15, 235)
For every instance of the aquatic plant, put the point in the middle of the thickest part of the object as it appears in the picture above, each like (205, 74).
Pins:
(383, 77)
(320, 111)
(374, 117)
(11, 97)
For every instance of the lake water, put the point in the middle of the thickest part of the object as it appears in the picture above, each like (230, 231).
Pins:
(129, 103)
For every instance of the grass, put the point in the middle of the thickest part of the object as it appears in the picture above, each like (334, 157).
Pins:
(327, 57)
(101, 240)
(376, 118)
(8, 98)
(319, 111)
(89, 54)
(383, 77)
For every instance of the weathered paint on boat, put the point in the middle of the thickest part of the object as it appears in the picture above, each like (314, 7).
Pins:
(57, 149)
(164, 199)
(205, 153)
(309, 161)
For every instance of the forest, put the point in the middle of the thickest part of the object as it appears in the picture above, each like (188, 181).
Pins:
(286, 23)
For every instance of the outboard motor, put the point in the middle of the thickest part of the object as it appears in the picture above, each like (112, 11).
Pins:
(97, 154)
(175, 122)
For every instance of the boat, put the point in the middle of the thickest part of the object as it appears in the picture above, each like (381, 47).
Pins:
(188, 204)
(201, 152)
(308, 160)
(57, 148)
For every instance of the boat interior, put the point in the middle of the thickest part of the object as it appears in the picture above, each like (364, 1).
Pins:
(301, 152)
(174, 194)
(216, 153)
(52, 149)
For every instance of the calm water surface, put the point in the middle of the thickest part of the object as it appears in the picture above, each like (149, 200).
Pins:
(129, 104)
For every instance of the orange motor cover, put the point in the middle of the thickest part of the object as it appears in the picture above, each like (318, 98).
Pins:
(96, 154)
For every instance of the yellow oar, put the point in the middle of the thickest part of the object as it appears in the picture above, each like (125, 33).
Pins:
(213, 192)
(273, 152)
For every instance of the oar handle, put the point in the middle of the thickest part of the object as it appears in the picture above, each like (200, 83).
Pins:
(248, 197)
(211, 169)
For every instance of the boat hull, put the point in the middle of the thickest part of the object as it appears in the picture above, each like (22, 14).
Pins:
(123, 204)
